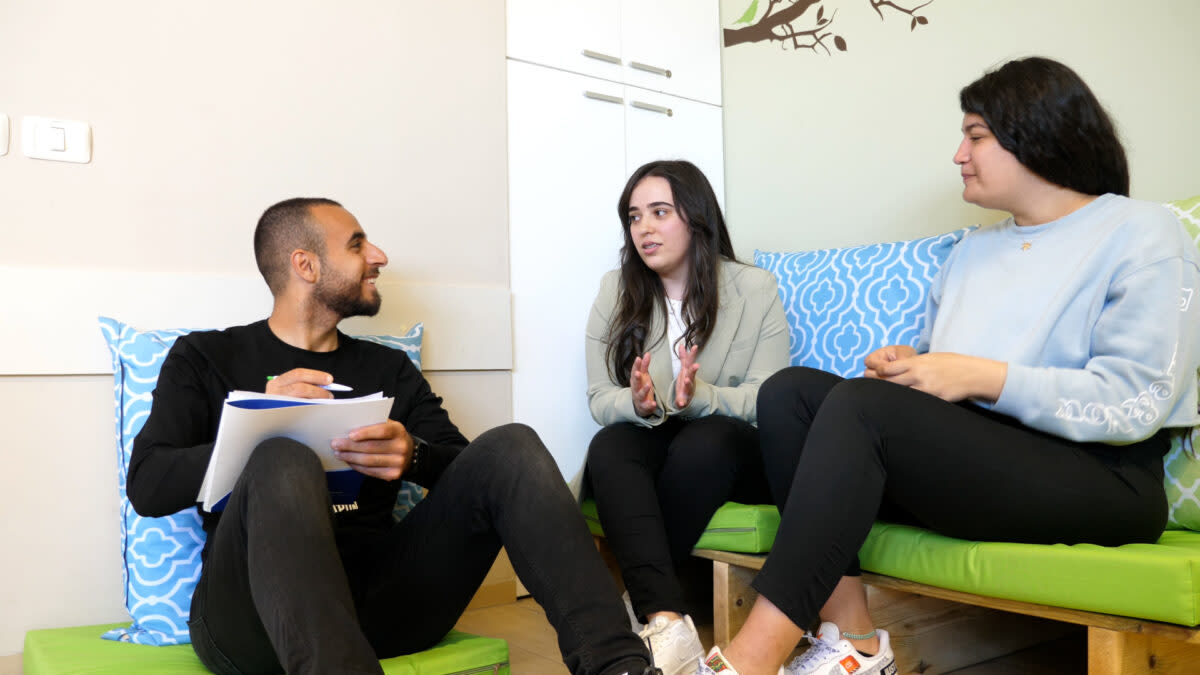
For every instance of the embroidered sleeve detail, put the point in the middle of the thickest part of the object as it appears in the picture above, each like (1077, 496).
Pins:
(1141, 410)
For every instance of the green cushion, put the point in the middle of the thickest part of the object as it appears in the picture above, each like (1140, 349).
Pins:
(1149, 581)
(79, 651)
(741, 528)
(1158, 581)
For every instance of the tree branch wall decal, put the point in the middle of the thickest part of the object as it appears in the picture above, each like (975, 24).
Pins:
(784, 22)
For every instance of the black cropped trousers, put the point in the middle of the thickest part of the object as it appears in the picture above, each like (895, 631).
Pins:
(656, 488)
(276, 594)
(841, 453)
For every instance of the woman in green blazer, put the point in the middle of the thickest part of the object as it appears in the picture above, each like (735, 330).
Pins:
(678, 341)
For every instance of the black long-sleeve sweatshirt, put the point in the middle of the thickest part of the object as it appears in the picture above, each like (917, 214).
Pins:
(170, 454)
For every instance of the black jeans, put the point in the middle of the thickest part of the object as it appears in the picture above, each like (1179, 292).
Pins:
(839, 453)
(275, 594)
(656, 488)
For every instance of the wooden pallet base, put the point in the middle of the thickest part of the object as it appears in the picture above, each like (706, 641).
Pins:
(935, 630)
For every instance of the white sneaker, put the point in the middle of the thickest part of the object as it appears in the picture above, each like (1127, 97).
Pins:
(830, 654)
(674, 645)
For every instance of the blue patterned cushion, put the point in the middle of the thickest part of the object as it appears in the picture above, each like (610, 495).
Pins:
(843, 303)
(162, 555)
(1181, 464)
(410, 344)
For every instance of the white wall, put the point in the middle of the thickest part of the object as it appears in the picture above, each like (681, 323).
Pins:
(203, 114)
(856, 147)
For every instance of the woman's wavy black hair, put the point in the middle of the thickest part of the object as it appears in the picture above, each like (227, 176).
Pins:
(1043, 113)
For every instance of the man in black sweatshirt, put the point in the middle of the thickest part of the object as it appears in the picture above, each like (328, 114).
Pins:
(291, 583)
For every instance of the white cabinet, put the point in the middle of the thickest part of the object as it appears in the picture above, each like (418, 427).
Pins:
(582, 36)
(679, 37)
(566, 168)
(658, 126)
(672, 46)
(574, 137)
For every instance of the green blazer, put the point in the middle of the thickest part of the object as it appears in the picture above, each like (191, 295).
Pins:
(749, 343)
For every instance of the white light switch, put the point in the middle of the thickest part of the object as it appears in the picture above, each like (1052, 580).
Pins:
(55, 139)
(3, 134)
(61, 140)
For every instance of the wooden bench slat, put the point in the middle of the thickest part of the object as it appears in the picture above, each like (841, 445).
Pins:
(753, 561)
(1111, 622)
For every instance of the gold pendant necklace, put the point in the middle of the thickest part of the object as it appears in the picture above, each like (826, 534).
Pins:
(1026, 245)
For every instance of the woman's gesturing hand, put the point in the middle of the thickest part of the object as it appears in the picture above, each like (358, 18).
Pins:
(642, 387)
(685, 383)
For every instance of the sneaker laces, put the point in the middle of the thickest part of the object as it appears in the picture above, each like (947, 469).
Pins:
(671, 639)
(818, 652)
(653, 627)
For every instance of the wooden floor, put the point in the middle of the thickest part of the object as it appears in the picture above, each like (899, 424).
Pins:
(533, 648)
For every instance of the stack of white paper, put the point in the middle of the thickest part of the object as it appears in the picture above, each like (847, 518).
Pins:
(249, 418)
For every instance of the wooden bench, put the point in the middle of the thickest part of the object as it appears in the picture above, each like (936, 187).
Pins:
(934, 630)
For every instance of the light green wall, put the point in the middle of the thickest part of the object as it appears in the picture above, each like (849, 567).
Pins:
(856, 147)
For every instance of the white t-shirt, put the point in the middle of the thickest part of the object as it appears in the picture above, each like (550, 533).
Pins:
(675, 331)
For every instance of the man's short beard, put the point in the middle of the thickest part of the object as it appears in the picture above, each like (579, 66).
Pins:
(346, 307)
(345, 298)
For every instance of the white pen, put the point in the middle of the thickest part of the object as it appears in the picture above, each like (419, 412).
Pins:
(327, 387)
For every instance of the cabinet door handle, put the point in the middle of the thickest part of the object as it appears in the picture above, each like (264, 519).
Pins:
(650, 69)
(601, 57)
(603, 97)
(653, 108)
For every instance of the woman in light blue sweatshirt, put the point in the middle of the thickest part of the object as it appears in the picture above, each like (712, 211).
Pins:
(1059, 346)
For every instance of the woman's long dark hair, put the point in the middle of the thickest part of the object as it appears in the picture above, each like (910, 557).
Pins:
(1046, 116)
(641, 290)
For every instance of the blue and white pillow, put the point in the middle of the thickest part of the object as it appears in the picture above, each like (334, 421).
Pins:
(409, 343)
(162, 555)
(843, 303)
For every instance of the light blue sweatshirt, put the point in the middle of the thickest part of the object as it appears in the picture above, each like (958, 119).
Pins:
(1096, 315)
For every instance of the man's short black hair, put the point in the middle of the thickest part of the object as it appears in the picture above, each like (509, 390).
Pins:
(283, 228)
(1043, 113)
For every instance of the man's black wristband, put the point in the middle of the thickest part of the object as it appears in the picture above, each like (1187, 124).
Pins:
(418, 454)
